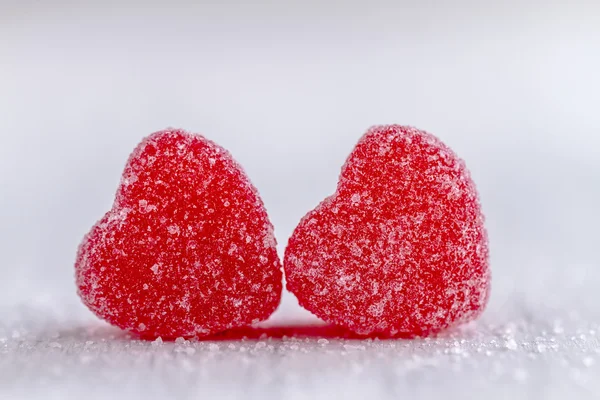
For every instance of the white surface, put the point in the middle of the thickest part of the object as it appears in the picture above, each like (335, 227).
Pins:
(551, 356)
(288, 88)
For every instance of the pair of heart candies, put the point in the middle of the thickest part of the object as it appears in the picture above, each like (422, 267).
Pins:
(187, 250)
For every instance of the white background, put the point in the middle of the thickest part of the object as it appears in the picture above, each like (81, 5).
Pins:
(288, 87)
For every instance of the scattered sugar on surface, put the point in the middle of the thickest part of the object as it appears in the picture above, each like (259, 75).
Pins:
(59, 354)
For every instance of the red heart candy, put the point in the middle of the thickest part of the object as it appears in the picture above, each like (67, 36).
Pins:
(187, 249)
(400, 249)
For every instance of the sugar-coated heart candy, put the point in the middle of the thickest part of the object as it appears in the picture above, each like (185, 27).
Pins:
(400, 249)
(187, 249)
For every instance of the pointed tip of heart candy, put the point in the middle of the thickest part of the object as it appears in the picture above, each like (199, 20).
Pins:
(187, 249)
(401, 248)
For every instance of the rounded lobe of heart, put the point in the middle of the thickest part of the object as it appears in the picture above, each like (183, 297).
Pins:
(400, 249)
(187, 249)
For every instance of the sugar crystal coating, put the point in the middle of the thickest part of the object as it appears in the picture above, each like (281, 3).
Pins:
(400, 249)
(187, 249)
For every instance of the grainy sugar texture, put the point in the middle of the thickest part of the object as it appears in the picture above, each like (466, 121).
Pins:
(400, 249)
(187, 249)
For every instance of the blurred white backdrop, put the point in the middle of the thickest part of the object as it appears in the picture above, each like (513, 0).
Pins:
(288, 87)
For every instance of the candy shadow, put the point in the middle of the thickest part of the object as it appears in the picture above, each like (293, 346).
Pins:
(299, 331)
(311, 330)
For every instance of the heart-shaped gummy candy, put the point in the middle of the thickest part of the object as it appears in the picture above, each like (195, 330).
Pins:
(187, 249)
(400, 249)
